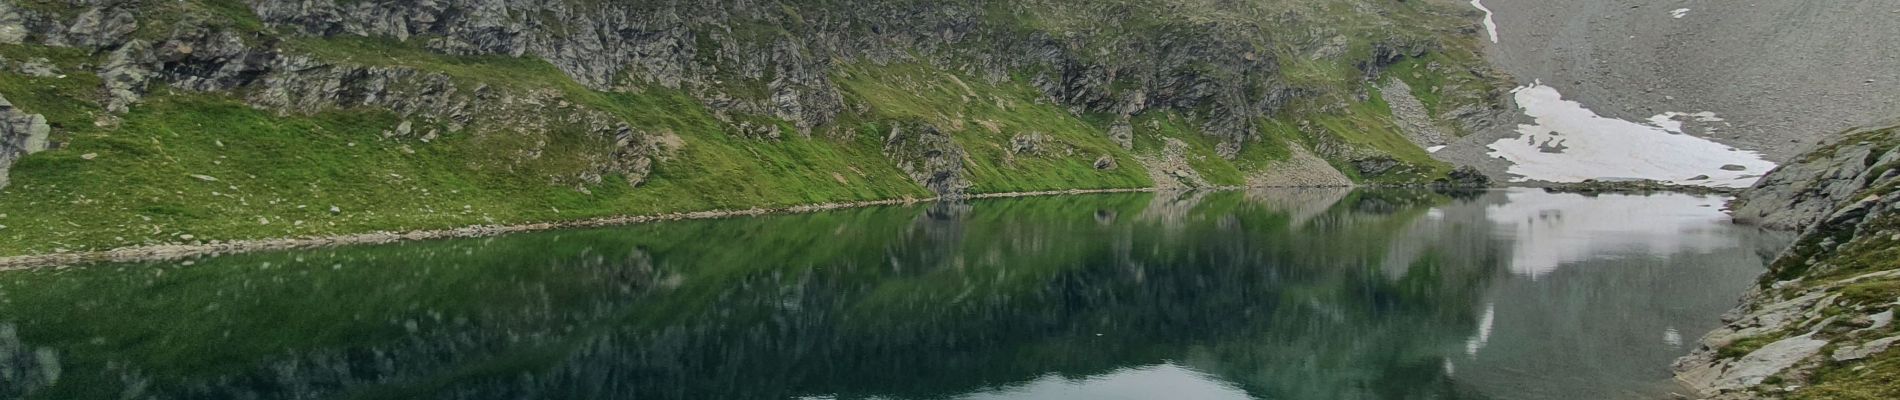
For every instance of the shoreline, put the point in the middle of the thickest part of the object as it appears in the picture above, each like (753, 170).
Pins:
(161, 252)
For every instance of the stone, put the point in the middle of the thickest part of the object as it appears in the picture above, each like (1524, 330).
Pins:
(1877, 321)
(125, 76)
(39, 67)
(1767, 361)
(1105, 162)
(12, 24)
(206, 178)
(1734, 167)
(21, 134)
(101, 27)
(1851, 353)
(1027, 143)
(1122, 134)
(1466, 176)
(1375, 166)
(1807, 189)
(928, 156)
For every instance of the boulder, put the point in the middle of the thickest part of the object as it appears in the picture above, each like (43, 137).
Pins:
(1767, 361)
(1851, 353)
(20, 134)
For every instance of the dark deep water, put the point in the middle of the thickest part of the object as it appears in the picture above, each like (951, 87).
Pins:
(1289, 294)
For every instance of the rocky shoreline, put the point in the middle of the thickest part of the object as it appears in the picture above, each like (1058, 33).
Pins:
(1820, 325)
(1596, 187)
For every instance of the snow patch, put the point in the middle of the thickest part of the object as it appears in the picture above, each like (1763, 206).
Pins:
(1490, 23)
(1570, 143)
(1679, 13)
(1434, 149)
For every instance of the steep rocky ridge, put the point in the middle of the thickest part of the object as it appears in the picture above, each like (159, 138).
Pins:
(261, 118)
(1821, 324)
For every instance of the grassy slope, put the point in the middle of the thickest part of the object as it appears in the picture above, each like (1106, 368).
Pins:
(983, 118)
(140, 187)
(133, 183)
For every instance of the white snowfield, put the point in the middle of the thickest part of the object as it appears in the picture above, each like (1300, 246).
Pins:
(1570, 143)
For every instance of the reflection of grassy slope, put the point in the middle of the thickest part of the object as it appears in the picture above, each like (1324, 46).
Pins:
(1008, 280)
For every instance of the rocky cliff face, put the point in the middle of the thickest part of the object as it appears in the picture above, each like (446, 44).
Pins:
(1822, 323)
(570, 94)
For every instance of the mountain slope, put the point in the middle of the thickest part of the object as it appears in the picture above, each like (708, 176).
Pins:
(201, 120)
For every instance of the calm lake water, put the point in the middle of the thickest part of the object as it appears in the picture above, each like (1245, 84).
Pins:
(1290, 294)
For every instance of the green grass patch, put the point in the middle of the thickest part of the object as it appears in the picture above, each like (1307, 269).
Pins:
(1870, 379)
(278, 177)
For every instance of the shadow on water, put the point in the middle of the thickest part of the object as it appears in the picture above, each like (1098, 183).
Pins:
(1287, 294)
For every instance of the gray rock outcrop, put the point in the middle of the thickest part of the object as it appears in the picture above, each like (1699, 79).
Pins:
(1851, 353)
(20, 134)
(929, 156)
(1803, 191)
(1840, 197)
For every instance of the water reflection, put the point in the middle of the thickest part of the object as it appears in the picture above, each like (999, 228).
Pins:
(1300, 294)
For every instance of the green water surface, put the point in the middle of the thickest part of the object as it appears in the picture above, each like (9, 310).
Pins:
(1288, 294)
